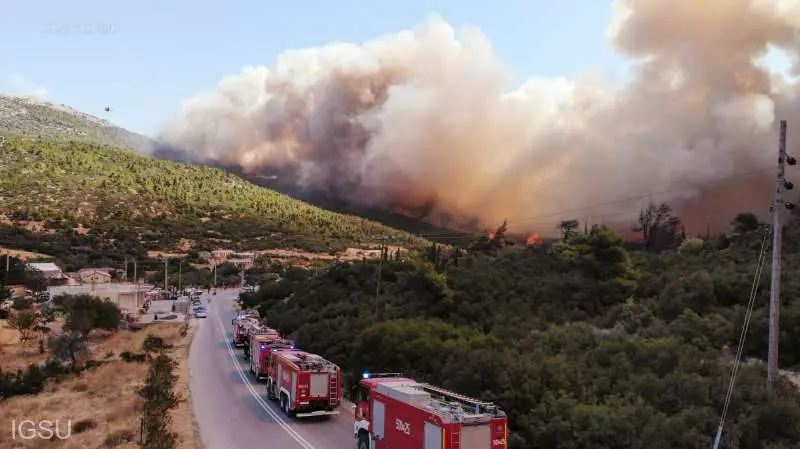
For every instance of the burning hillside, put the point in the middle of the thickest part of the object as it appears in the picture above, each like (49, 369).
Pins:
(425, 122)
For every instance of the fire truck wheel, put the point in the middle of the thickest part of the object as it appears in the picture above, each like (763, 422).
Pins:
(363, 440)
(285, 406)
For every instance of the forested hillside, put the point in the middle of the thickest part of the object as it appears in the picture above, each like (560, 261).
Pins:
(583, 343)
(34, 118)
(76, 195)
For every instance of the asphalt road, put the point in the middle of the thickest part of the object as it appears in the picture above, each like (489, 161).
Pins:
(232, 409)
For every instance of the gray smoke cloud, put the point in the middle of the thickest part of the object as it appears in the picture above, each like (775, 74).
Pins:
(427, 117)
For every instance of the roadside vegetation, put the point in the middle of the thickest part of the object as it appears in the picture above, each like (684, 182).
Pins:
(75, 365)
(588, 342)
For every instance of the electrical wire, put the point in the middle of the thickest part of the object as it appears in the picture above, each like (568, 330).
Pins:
(743, 336)
(536, 220)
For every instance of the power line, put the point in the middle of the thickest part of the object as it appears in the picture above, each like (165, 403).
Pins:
(743, 335)
(531, 219)
(598, 217)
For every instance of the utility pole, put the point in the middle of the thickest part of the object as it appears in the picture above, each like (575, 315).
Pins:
(166, 274)
(126, 268)
(215, 275)
(378, 288)
(775, 290)
(8, 261)
(380, 278)
(180, 274)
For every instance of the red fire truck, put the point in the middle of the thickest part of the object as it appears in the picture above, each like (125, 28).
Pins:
(255, 330)
(397, 412)
(304, 384)
(240, 328)
(261, 347)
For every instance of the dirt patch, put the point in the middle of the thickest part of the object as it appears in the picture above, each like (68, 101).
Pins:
(350, 254)
(30, 225)
(80, 230)
(186, 245)
(103, 400)
(24, 255)
(163, 254)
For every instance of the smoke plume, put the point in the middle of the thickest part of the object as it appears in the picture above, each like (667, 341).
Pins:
(426, 120)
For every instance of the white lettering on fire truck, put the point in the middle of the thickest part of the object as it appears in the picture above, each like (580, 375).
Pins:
(402, 426)
(498, 443)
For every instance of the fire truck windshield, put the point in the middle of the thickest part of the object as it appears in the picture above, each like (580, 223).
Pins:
(360, 393)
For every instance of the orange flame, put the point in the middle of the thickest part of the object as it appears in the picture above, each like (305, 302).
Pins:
(491, 236)
(534, 240)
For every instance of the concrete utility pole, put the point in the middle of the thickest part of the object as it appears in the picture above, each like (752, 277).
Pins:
(775, 289)
(126, 268)
(215, 275)
(380, 276)
(180, 274)
(166, 274)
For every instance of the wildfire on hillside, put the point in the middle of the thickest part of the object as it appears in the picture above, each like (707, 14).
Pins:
(380, 126)
(533, 239)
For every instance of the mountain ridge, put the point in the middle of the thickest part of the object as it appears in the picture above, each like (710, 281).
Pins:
(32, 117)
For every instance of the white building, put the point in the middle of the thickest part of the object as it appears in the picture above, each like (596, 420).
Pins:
(124, 295)
(48, 269)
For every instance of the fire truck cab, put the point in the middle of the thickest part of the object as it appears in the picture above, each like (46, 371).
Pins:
(241, 327)
(397, 412)
(261, 348)
(254, 332)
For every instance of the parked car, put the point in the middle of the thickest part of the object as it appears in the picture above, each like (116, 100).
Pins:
(200, 313)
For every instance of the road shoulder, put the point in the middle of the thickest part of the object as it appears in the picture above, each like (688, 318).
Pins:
(184, 419)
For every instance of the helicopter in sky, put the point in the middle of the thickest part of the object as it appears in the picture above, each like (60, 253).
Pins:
(108, 109)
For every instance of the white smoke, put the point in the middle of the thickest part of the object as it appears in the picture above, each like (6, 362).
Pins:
(427, 116)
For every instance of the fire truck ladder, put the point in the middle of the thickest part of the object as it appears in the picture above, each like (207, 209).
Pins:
(479, 407)
(333, 388)
(455, 440)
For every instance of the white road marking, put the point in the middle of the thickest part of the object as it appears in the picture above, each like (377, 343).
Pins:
(278, 419)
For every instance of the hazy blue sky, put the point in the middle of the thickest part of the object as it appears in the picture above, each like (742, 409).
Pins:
(144, 57)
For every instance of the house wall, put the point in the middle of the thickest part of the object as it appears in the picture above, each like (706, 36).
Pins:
(96, 278)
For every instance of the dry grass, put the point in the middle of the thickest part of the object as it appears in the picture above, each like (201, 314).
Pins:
(13, 354)
(104, 398)
(183, 420)
(22, 254)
